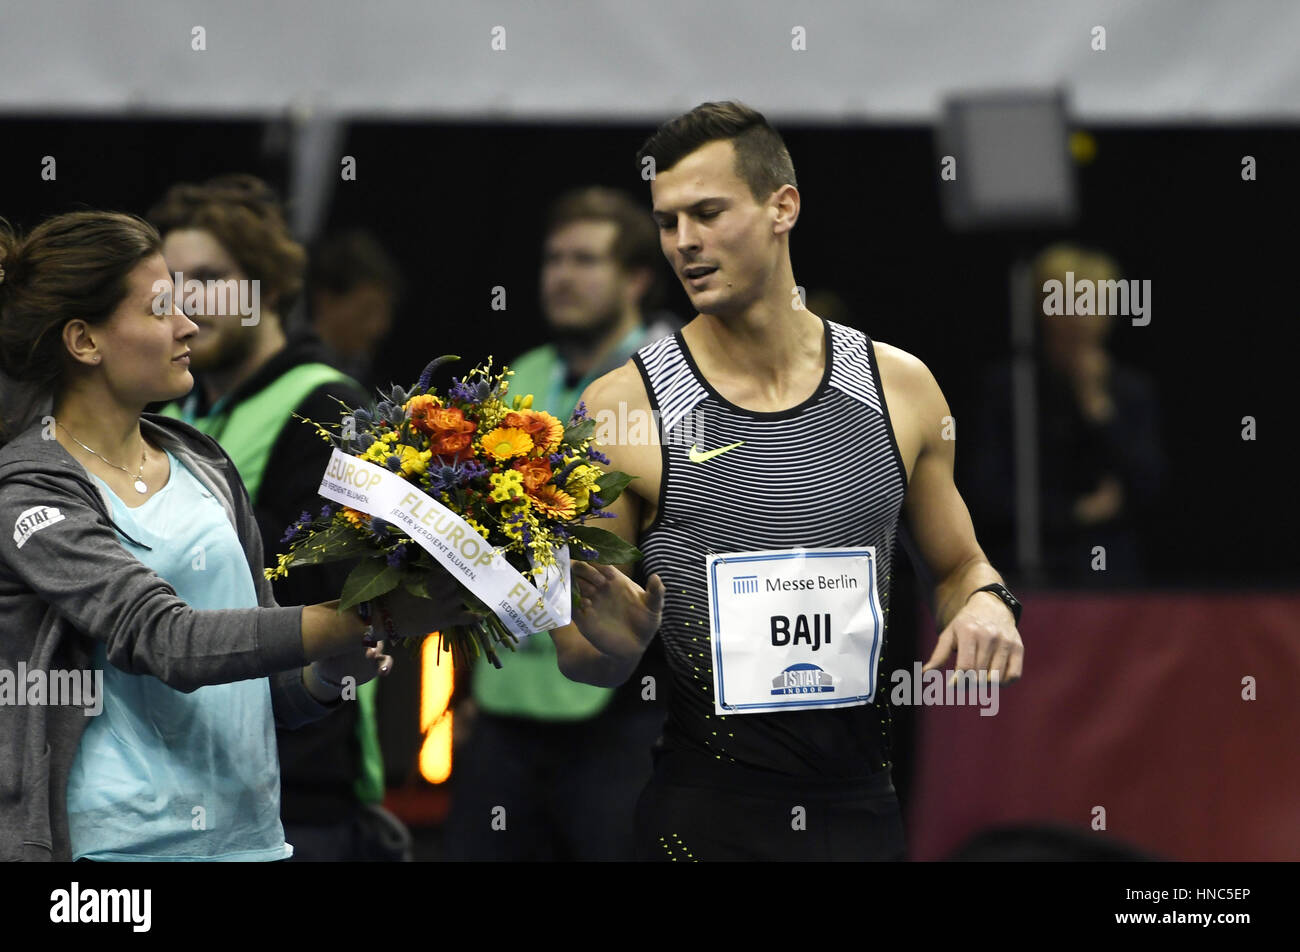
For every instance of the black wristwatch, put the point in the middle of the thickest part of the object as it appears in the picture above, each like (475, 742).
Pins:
(1000, 590)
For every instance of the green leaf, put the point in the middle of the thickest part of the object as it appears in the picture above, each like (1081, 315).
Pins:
(577, 432)
(415, 584)
(611, 486)
(610, 549)
(370, 579)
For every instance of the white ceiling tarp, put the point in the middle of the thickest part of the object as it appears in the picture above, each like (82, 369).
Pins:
(1165, 60)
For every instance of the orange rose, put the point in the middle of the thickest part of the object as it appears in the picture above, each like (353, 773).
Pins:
(421, 407)
(449, 445)
(449, 423)
(537, 473)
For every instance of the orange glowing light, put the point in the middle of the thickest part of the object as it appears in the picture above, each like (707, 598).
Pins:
(436, 682)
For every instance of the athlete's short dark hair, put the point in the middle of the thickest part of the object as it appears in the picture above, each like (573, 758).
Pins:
(762, 160)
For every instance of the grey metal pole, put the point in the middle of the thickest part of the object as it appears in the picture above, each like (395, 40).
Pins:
(1024, 412)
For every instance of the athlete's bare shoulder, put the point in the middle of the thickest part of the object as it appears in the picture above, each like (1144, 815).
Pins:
(623, 385)
(917, 409)
(905, 373)
(619, 404)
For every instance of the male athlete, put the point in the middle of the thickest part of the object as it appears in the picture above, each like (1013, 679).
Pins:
(767, 515)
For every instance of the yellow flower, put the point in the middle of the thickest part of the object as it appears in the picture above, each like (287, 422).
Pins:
(377, 452)
(512, 527)
(507, 486)
(281, 569)
(413, 460)
(581, 499)
(490, 414)
(582, 478)
(477, 527)
(506, 443)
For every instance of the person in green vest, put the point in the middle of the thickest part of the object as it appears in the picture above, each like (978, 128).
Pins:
(230, 235)
(566, 760)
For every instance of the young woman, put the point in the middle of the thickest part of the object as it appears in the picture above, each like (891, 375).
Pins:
(129, 553)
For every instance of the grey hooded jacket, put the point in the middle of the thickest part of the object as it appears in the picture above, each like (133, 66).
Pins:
(65, 579)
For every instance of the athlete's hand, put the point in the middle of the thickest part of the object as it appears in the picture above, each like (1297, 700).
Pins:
(614, 613)
(985, 636)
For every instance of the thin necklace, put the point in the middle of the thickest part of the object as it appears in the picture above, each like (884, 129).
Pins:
(140, 486)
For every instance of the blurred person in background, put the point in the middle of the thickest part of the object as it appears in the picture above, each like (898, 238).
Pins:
(567, 760)
(354, 286)
(251, 380)
(1100, 462)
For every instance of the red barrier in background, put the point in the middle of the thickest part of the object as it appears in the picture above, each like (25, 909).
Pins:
(1131, 702)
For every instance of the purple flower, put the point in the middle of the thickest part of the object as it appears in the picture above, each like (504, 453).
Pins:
(394, 462)
(580, 411)
(426, 377)
(556, 459)
(448, 476)
(398, 556)
(563, 475)
(326, 511)
(596, 456)
(292, 532)
(463, 390)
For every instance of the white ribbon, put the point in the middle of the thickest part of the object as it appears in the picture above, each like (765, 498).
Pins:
(456, 544)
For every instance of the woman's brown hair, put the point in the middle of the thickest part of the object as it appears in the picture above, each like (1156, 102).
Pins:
(74, 266)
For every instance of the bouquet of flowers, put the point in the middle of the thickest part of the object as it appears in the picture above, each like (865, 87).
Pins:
(487, 488)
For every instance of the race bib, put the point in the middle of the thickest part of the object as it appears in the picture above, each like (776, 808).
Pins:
(794, 629)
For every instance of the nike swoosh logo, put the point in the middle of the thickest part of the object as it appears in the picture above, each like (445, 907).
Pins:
(696, 456)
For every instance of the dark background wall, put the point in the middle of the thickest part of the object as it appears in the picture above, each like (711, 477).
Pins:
(460, 206)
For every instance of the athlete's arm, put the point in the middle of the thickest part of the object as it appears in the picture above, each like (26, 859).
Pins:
(982, 629)
(616, 618)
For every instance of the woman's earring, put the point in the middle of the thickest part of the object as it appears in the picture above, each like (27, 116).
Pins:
(97, 358)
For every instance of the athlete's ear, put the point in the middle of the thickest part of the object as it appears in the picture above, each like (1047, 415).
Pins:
(784, 206)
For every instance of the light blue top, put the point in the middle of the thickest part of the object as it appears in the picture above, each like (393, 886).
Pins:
(165, 775)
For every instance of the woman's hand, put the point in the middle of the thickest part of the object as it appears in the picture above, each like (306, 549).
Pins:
(360, 665)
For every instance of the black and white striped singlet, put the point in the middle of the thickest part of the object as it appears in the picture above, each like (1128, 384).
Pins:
(823, 474)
